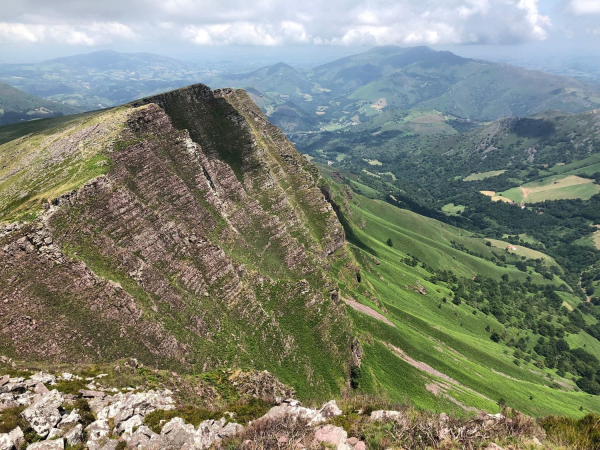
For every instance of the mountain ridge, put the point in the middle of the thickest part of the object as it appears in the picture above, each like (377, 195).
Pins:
(184, 247)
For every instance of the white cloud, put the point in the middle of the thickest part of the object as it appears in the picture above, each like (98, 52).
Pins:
(274, 22)
(95, 33)
(584, 7)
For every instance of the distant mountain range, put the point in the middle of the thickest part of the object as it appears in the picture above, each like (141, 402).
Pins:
(100, 79)
(343, 93)
(358, 88)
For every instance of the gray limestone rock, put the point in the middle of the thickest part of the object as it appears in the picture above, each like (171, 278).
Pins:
(6, 442)
(141, 438)
(75, 435)
(17, 436)
(98, 430)
(57, 444)
(44, 414)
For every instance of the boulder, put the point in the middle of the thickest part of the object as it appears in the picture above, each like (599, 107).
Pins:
(54, 433)
(17, 437)
(75, 435)
(330, 434)
(43, 378)
(292, 408)
(140, 439)
(211, 431)
(98, 430)
(58, 444)
(43, 415)
(6, 443)
(385, 416)
(330, 409)
(40, 389)
(69, 420)
(127, 426)
(8, 400)
(14, 385)
(91, 394)
(124, 406)
(176, 434)
(111, 444)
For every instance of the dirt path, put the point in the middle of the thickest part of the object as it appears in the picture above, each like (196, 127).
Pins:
(366, 310)
(526, 193)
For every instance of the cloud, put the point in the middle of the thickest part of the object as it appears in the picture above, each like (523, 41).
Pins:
(275, 22)
(585, 7)
(93, 34)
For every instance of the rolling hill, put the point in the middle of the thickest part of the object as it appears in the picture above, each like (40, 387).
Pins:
(18, 106)
(358, 88)
(100, 79)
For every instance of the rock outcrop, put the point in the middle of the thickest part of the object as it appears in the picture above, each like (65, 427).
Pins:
(204, 239)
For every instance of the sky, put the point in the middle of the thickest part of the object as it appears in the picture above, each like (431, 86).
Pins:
(40, 29)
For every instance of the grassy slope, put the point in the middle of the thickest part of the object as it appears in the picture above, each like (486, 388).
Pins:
(60, 155)
(450, 339)
(17, 130)
(16, 101)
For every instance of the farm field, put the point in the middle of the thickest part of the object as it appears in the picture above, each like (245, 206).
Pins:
(557, 187)
(483, 175)
(497, 198)
(520, 250)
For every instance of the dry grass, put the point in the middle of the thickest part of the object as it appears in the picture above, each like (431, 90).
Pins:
(266, 434)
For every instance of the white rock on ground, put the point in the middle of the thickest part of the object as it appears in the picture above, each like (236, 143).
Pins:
(124, 406)
(69, 420)
(385, 416)
(58, 444)
(44, 378)
(75, 435)
(6, 442)
(128, 425)
(43, 415)
(98, 430)
(313, 416)
(211, 431)
(140, 439)
(54, 433)
(17, 436)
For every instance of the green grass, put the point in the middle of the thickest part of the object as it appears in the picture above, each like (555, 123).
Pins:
(15, 131)
(558, 187)
(483, 175)
(45, 165)
(452, 209)
(448, 338)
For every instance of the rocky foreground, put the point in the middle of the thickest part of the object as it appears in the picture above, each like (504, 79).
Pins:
(117, 418)
(99, 417)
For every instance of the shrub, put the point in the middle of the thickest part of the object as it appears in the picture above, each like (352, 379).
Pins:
(577, 434)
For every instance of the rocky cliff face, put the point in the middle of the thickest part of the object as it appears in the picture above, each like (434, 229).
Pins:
(205, 244)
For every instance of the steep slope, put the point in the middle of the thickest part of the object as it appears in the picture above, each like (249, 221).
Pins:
(425, 317)
(17, 106)
(185, 230)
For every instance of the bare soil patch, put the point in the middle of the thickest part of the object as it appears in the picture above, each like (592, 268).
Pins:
(366, 310)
